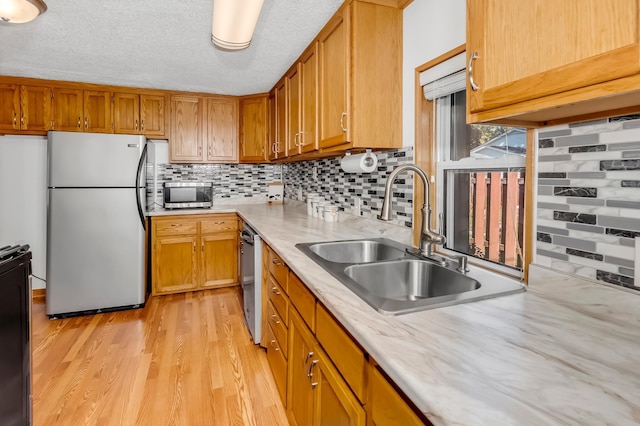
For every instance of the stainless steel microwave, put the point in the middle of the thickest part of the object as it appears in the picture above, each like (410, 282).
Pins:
(184, 195)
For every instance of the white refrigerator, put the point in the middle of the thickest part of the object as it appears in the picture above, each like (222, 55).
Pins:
(95, 223)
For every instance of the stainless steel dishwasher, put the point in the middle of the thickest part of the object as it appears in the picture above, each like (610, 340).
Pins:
(251, 279)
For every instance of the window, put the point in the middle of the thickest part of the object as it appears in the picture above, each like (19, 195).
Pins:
(480, 186)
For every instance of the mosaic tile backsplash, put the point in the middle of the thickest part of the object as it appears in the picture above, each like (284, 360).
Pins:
(252, 180)
(327, 178)
(588, 201)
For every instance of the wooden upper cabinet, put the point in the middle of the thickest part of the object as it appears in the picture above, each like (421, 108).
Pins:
(67, 109)
(360, 78)
(25, 108)
(308, 139)
(280, 148)
(254, 129)
(126, 116)
(520, 52)
(293, 111)
(97, 112)
(186, 129)
(221, 133)
(333, 46)
(153, 118)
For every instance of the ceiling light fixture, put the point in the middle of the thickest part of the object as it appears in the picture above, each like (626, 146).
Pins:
(234, 22)
(21, 11)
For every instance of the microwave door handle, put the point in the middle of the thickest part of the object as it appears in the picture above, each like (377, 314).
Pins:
(141, 163)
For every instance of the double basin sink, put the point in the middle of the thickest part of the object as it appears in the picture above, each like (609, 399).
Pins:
(391, 279)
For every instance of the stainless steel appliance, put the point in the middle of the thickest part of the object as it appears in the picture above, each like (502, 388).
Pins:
(15, 335)
(184, 195)
(96, 223)
(250, 248)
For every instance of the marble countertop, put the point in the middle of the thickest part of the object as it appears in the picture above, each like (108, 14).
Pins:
(561, 353)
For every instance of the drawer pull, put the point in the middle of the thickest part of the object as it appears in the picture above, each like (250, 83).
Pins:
(274, 318)
(274, 346)
(306, 362)
(276, 262)
(220, 223)
(176, 224)
(472, 83)
(275, 291)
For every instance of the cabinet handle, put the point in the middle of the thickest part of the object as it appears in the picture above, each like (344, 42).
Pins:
(275, 291)
(194, 247)
(313, 364)
(273, 147)
(274, 318)
(202, 246)
(219, 223)
(136, 125)
(473, 84)
(79, 122)
(15, 118)
(342, 116)
(52, 124)
(306, 362)
(22, 121)
(276, 262)
(199, 151)
(142, 125)
(86, 123)
(274, 346)
(176, 224)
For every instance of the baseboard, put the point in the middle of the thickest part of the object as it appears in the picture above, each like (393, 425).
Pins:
(39, 294)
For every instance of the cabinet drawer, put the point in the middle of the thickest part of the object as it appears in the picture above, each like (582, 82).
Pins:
(279, 328)
(303, 300)
(219, 223)
(278, 364)
(279, 299)
(345, 354)
(279, 270)
(175, 227)
(387, 406)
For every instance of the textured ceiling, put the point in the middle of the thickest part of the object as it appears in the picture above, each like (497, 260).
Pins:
(162, 44)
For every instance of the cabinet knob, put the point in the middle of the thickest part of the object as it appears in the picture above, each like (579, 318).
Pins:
(79, 122)
(22, 120)
(142, 125)
(275, 291)
(136, 125)
(15, 118)
(472, 83)
(86, 123)
(342, 116)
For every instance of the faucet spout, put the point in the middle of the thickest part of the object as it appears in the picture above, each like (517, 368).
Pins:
(428, 236)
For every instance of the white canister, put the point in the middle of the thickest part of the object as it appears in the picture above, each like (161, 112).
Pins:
(311, 207)
(314, 205)
(330, 213)
(320, 208)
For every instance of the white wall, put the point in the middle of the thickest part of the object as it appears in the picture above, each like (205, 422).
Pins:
(430, 28)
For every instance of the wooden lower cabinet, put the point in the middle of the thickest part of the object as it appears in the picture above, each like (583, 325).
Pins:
(318, 395)
(386, 406)
(185, 258)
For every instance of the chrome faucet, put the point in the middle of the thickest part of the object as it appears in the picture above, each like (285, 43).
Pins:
(428, 237)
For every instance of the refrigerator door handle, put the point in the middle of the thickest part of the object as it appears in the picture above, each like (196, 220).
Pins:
(141, 163)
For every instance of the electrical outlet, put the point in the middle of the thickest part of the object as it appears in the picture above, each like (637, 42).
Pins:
(299, 194)
(357, 206)
(314, 173)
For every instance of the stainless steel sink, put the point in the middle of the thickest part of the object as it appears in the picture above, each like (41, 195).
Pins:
(394, 281)
(358, 251)
(410, 279)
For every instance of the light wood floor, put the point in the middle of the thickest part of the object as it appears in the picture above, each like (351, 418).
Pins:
(182, 360)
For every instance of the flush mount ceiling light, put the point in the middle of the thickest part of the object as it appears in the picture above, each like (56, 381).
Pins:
(21, 11)
(234, 22)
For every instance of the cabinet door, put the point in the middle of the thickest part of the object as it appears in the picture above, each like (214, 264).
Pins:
(308, 139)
(67, 110)
(253, 129)
(300, 397)
(152, 115)
(186, 129)
(97, 112)
(221, 133)
(335, 60)
(35, 105)
(219, 260)
(526, 50)
(9, 107)
(281, 119)
(175, 265)
(333, 402)
(126, 112)
(387, 406)
(293, 112)
(271, 140)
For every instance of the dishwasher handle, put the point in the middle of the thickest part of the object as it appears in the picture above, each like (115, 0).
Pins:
(246, 237)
